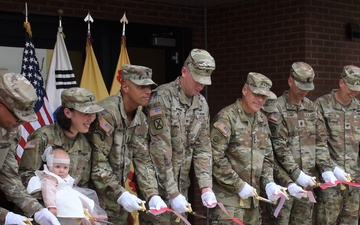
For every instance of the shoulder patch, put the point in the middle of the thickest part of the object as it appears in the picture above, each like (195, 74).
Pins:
(155, 112)
(105, 125)
(273, 117)
(30, 145)
(222, 128)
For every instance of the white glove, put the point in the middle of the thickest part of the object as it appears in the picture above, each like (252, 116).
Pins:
(329, 176)
(305, 180)
(209, 199)
(340, 174)
(272, 191)
(296, 191)
(179, 204)
(45, 217)
(247, 191)
(130, 202)
(156, 203)
(12, 218)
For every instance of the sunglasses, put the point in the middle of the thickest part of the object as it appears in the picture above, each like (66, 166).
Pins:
(17, 118)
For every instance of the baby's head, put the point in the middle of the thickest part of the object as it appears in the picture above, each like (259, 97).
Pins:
(57, 160)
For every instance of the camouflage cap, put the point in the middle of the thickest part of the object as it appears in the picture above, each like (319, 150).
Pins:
(260, 84)
(80, 99)
(20, 94)
(139, 75)
(303, 75)
(270, 106)
(201, 64)
(351, 76)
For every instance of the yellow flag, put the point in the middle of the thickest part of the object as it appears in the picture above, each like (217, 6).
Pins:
(91, 78)
(123, 59)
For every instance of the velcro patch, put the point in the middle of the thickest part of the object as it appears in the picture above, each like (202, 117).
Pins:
(155, 112)
(105, 125)
(30, 145)
(273, 117)
(223, 128)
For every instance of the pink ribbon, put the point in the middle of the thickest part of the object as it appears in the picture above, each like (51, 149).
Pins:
(329, 184)
(165, 209)
(222, 207)
(283, 197)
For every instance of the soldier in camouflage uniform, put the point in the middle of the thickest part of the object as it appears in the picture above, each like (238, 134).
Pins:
(17, 99)
(243, 155)
(77, 112)
(121, 138)
(341, 111)
(299, 142)
(178, 117)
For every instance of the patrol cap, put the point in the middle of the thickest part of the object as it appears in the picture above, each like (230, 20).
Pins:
(303, 75)
(80, 99)
(260, 84)
(351, 76)
(139, 75)
(16, 90)
(270, 106)
(201, 64)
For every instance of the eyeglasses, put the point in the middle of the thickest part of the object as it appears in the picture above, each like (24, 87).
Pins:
(17, 118)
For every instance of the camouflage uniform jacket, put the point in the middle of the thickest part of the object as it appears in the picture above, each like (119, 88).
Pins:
(242, 153)
(115, 147)
(343, 127)
(179, 130)
(10, 181)
(299, 138)
(79, 150)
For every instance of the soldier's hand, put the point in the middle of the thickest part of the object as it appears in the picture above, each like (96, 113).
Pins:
(329, 176)
(340, 174)
(156, 203)
(45, 217)
(296, 191)
(305, 180)
(209, 199)
(130, 202)
(247, 191)
(273, 190)
(12, 218)
(179, 204)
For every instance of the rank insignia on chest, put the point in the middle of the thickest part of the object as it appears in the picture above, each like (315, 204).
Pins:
(155, 112)
(30, 145)
(104, 125)
(301, 123)
(223, 128)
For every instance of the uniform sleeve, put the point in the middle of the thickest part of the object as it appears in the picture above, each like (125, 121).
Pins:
(144, 168)
(3, 213)
(105, 180)
(323, 160)
(279, 137)
(12, 186)
(280, 175)
(159, 119)
(48, 190)
(267, 172)
(202, 156)
(31, 158)
(222, 169)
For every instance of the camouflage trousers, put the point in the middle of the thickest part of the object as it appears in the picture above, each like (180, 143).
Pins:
(166, 218)
(337, 206)
(119, 217)
(250, 216)
(293, 212)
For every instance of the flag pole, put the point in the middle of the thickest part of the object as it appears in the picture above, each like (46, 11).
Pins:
(60, 12)
(88, 19)
(26, 12)
(124, 21)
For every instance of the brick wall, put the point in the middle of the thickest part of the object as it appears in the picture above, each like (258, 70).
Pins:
(251, 35)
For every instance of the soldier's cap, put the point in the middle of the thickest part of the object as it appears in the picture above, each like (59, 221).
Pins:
(351, 76)
(270, 106)
(80, 99)
(139, 75)
(260, 84)
(303, 75)
(201, 65)
(16, 90)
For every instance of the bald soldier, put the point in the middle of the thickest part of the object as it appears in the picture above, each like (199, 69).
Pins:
(341, 111)
(242, 154)
(299, 142)
(17, 99)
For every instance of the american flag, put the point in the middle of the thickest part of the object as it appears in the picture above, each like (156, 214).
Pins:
(30, 70)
